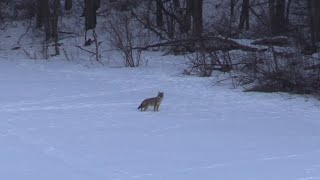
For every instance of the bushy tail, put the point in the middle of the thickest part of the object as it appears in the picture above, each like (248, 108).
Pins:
(140, 106)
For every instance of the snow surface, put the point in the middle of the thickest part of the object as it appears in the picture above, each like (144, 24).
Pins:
(63, 121)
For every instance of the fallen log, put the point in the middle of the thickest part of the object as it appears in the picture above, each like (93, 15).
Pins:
(204, 43)
(272, 41)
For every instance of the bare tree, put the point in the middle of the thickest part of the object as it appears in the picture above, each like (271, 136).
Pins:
(124, 36)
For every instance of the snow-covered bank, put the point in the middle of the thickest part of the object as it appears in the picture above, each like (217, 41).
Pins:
(65, 121)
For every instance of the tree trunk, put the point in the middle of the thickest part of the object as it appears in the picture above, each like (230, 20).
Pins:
(188, 15)
(43, 17)
(180, 15)
(39, 14)
(244, 17)
(288, 10)
(97, 4)
(0, 13)
(232, 5)
(314, 14)
(67, 5)
(90, 14)
(42, 12)
(54, 25)
(159, 13)
(176, 3)
(272, 15)
(317, 21)
(280, 14)
(172, 13)
(278, 21)
(316, 17)
(197, 25)
(97, 44)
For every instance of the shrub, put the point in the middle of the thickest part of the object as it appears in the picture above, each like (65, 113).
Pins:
(281, 70)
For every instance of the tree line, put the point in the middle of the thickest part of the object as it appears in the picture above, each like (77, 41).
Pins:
(171, 19)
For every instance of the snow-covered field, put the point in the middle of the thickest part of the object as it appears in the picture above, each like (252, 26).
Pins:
(62, 121)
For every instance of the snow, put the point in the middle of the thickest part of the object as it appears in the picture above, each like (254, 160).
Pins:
(62, 120)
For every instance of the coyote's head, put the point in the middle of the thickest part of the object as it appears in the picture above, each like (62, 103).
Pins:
(160, 94)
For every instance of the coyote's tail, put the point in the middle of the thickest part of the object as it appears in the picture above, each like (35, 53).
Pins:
(140, 106)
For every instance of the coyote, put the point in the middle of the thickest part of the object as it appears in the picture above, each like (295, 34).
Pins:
(155, 102)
